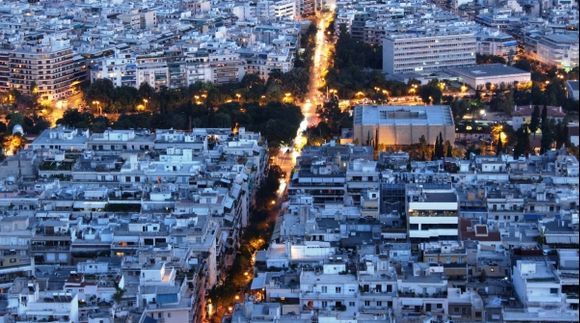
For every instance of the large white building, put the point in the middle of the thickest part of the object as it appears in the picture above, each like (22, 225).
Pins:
(432, 213)
(426, 53)
(479, 75)
(390, 125)
(560, 50)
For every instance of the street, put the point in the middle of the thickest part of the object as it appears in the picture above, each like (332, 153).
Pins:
(286, 158)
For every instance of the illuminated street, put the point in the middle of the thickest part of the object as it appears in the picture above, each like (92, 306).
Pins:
(286, 158)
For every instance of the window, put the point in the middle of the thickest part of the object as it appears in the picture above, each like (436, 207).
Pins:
(324, 304)
(338, 290)
(367, 303)
(439, 305)
(553, 291)
(379, 303)
(351, 304)
(324, 289)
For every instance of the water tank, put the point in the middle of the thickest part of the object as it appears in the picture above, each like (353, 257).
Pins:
(18, 130)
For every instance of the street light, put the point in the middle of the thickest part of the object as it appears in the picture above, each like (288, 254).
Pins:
(98, 104)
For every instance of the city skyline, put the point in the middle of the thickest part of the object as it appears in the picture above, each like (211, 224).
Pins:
(289, 161)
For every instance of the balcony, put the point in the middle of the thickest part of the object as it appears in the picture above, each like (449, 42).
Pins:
(423, 295)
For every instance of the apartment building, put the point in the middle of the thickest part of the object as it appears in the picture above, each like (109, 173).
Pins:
(121, 70)
(277, 9)
(432, 213)
(496, 43)
(559, 50)
(140, 18)
(44, 65)
(428, 52)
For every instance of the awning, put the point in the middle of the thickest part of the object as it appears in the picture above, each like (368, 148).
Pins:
(259, 282)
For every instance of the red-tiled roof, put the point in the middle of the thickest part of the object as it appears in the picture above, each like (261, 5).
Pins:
(468, 230)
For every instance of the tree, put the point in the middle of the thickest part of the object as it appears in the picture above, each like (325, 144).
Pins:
(547, 132)
(449, 149)
(438, 152)
(118, 296)
(74, 118)
(431, 93)
(101, 91)
(547, 138)
(498, 147)
(502, 102)
(535, 121)
(544, 117)
(522, 146)
(561, 134)
(489, 59)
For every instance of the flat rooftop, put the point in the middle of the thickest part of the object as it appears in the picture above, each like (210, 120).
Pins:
(488, 70)
(432, 115)
(573, 84)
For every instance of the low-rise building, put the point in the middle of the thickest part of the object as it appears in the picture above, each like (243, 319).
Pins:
(381, 126)
(479, 76)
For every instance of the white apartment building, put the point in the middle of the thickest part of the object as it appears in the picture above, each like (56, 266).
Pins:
(536, 284)
(426, 53)
(140, 19)
(432, 213)
(119, 69)
(496, 43)
(328, 290)
(31, 305)
(276, 9)
(560, 50)
(154, 72)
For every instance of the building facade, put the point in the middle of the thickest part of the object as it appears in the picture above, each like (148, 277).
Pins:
(426, 53)
(402, 125)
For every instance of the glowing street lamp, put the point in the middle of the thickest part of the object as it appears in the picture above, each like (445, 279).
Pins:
(287, 97)
(98, 104)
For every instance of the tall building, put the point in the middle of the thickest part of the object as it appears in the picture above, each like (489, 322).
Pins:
(402, 125)
(46, 65)
(426, 53)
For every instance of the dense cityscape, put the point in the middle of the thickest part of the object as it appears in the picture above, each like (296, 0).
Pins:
(320, 161)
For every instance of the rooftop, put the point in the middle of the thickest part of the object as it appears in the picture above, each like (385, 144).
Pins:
(487, 70)
(435, 115)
